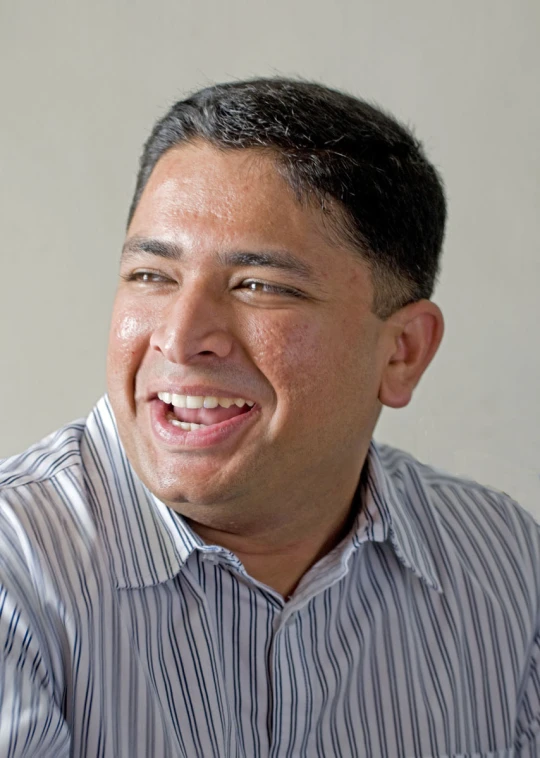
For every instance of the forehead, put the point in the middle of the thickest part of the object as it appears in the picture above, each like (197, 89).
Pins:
(224, 193)
(209, 202)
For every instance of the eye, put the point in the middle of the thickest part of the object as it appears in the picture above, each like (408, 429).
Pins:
(265, 288)
(146, 277)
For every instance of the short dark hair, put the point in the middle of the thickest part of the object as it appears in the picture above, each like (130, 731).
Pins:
(366, 171)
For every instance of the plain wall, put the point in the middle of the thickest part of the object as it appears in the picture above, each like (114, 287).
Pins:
(83, 82)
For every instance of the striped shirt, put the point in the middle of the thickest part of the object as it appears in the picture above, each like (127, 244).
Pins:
(123, 634)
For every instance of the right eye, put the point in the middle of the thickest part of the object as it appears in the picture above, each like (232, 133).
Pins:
(146, 277)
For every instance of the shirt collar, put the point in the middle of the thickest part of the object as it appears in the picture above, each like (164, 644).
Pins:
(396, 516)
(144, 540)
(147, 543)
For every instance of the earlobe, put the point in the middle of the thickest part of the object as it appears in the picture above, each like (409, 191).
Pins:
(414, 335)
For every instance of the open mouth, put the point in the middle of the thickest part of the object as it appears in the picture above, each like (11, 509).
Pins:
(193, 412)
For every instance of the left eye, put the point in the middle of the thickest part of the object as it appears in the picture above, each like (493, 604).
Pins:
(269, 289)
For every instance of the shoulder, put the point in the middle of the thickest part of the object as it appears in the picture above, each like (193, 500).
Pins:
(44, 459)
(475, 532)
(461, 502)
(45, 547)
(46, 527)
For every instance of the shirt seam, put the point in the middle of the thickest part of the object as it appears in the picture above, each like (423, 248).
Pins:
(40, 479)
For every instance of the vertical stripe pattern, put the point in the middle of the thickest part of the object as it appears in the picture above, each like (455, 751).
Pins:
(123, 634)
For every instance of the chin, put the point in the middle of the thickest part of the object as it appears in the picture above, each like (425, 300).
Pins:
(182, 485)
(184, 478)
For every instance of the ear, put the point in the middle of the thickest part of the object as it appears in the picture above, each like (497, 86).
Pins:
(413, 334)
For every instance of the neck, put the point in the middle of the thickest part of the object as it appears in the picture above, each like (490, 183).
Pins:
(280, 555)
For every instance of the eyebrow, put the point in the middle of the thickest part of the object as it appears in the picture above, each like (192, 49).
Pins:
(277, 259)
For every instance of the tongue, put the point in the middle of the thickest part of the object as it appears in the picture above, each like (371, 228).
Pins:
(208, 416)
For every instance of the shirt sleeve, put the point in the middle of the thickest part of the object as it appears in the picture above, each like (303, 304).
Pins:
(32, 724)
(527, 744)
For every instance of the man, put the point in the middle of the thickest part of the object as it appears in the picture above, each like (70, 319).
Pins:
(220, 561)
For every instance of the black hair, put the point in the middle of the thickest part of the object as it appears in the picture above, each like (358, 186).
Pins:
(366, 171)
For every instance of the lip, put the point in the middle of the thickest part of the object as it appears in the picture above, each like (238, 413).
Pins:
(196, 390)
(206, 437)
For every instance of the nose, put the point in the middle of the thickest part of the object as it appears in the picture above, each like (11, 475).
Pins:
(193, 326)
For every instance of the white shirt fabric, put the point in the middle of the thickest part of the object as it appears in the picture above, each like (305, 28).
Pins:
(123, 635)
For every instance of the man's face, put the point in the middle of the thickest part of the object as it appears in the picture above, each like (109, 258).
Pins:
(230, 289)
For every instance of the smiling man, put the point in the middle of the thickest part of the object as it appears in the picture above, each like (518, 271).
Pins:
(220, 561)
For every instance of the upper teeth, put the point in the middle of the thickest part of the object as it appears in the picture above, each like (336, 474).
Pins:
(199, 401)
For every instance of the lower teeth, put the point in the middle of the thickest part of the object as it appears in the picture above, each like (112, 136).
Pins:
(187, 427)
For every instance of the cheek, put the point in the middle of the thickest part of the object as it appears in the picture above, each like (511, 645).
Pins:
(296, 356)
(309, 362)
(128, 338)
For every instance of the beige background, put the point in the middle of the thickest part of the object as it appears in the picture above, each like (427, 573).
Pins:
(82, 82)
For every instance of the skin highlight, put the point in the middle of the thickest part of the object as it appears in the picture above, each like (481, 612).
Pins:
(308, 350)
